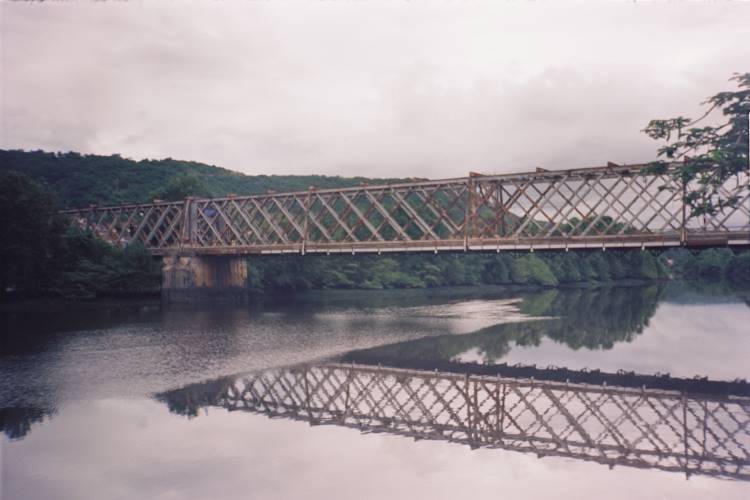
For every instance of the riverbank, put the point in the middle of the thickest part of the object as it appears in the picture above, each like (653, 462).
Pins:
(56, 302)
(281, 276)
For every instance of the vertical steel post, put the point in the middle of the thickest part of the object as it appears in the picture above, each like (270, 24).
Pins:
(502, 412)
(683, 233)
(502, 209)
(187, 223)
(469, 209)
(349, 376)
(308, 205)
(307, 394)
(193, 224)
(685, 433)
(470, 424)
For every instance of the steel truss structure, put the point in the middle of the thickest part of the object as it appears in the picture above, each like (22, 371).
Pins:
(643, 428)
(614, 206)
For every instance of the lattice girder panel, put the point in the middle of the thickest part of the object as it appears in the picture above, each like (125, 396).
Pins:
(245, 218)
(377, 213)
(285, 217)
(333, 218)
(599, 203)
(210, 225)
(735, 217)
(387, 214)
(396, 221)
(442, 207)
(642, 428)
(248, 221)
(157, 225)
(650, 205)
(717, 429)
(526, 207)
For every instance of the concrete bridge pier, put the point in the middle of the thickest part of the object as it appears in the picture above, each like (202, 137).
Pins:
(191, 278)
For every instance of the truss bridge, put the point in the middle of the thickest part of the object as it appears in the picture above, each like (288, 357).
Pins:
(204, 241)
(694, 434)
(615, 206)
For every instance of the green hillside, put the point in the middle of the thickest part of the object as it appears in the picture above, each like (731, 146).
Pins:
(79, 180)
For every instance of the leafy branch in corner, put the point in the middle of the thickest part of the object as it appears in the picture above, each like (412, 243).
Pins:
(713, 158)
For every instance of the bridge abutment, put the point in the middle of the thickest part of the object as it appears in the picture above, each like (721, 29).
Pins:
(191, 278)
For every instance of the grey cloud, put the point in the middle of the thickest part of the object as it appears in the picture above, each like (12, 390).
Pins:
(398, 89)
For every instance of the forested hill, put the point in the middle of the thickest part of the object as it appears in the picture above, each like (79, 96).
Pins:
(79, 180)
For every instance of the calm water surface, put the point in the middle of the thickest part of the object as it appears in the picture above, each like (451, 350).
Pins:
(131, 400)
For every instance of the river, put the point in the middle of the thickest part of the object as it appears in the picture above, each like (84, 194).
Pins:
(139, 400)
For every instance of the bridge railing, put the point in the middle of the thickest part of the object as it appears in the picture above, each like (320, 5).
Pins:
(593, 207)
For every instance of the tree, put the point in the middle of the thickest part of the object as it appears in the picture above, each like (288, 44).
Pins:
(738, 269)
(181, 186)
(709, 264)
(89, 267)
(600, 266)
(617, 267)
(29, 233)
(530, 269)
(645, 266)
(712, 155)
(497, 270)
(570, 268)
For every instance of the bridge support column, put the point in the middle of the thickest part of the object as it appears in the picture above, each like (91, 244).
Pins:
(191, 278)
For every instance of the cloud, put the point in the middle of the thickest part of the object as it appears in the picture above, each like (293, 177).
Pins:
(380, 89)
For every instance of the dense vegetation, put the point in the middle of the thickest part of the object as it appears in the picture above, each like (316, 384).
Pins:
(424, 271)
(41, 253)
(88, 267)
(28, 240)
(712, 265)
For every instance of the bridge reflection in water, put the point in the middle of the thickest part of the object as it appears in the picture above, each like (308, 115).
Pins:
(645, 428)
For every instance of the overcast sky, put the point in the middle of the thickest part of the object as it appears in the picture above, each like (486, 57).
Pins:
(362, 88)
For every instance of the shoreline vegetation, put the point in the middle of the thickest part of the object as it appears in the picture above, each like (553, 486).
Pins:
(42, 256)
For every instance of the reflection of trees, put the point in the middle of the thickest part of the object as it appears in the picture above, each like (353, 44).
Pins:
(598, 319)
(705, 292)
(17, 422)
(188, 402)
(37, 326)
(593, 319)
